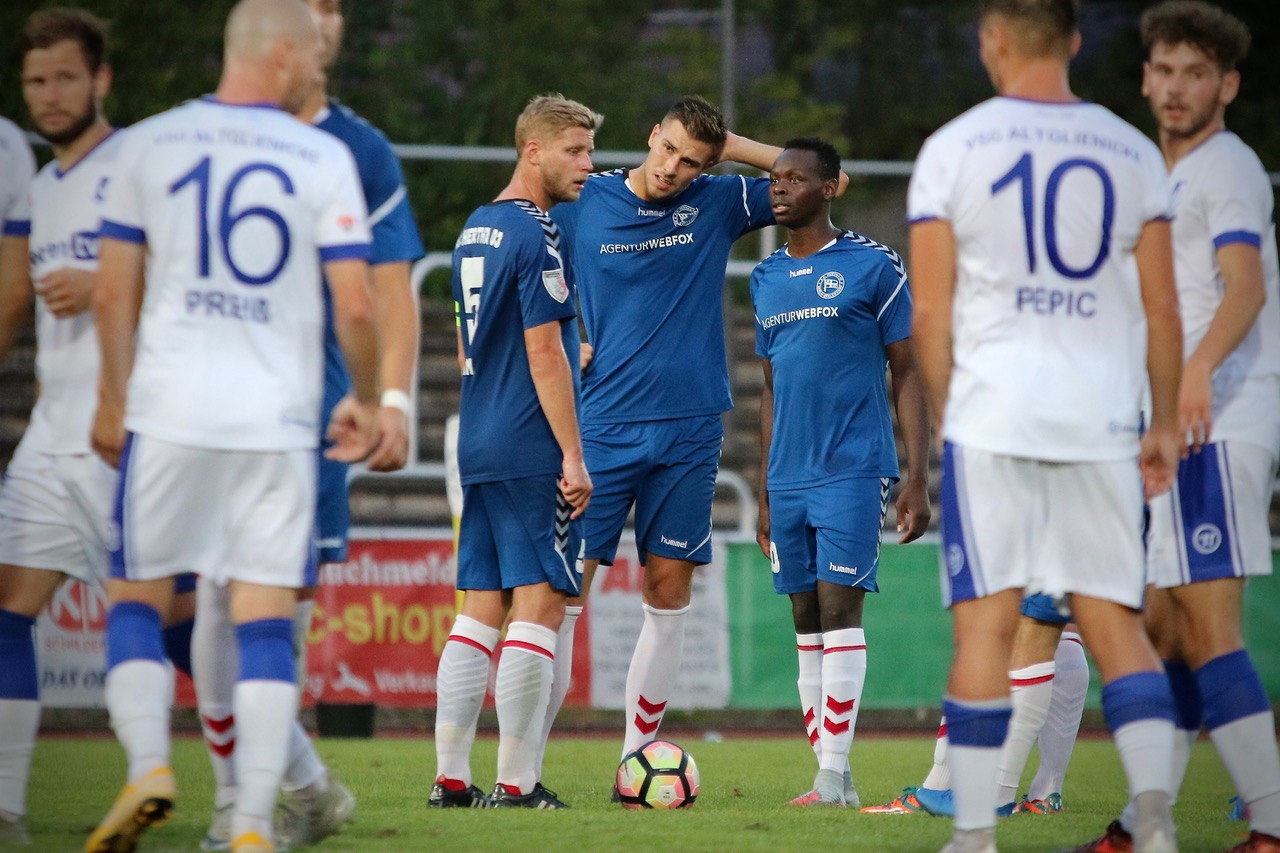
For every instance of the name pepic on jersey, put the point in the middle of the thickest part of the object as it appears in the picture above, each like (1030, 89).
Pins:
(1047, 202)
(238, 205)
(650, 278)
(508, 276)
(59, 217)
(394, 232)
(824, 322)
(1221, 195)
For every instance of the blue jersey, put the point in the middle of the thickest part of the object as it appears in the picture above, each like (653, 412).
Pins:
(650, 278)
(395, 234)
(824, 322)
(507, 277)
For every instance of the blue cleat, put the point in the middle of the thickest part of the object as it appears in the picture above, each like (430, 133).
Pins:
(1239, 811)
(935, 802)
(1006, 809)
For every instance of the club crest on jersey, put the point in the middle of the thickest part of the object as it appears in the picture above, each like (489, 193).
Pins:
(684, 215)
(830, 284)
(553, 281)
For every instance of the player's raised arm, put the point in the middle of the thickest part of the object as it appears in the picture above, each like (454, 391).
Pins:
(761, 155)
(117, 301)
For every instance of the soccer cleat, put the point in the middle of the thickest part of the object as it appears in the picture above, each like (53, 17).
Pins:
(452, 794)
(938, 803)
(851, 798)
(13, 830)
(1115, 840)
(1258, 842)
(538, 798)
(615, 796)
(252, 842)
(1006, 810)
(1051, 804)
(308, 815)
(219, 835)
(813, 798)
(145, 803)
(1239, 810)
(904, 803)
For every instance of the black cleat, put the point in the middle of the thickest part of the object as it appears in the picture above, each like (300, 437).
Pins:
(444, 797)
(538, 798)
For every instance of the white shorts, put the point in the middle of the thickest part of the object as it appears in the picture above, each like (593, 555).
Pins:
(55, 513)
(1047, 527)
(227, 515)
(1214, 523)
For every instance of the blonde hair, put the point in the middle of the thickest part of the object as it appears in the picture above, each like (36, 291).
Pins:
(547, 116)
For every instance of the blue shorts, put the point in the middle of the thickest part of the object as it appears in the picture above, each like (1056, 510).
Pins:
(333, 510)
(185, 582)
(1044, 609)
(667, 469)
(829, 532)
(518, 533)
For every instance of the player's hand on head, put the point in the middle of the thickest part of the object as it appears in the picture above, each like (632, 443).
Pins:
(392, 449)
(575, 485)
(913, 511)
(66, 292)
(107, 434)
(1195, 407)
(1161, 450)
(353, 431)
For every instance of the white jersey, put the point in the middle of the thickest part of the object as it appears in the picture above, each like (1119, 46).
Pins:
(238, 206)
(1222, 195)
(17, 165)
(60, 216)
(1047, 202)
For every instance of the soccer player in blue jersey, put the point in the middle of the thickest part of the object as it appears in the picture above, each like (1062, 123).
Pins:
(649, 247)
(315, 804)
(1045, 312)
(832, 308)
(1210, 534)
(520, 461)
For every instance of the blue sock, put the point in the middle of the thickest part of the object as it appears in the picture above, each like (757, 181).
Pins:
(1231, 689)
(1138, 696)
(266, 650)
(19, 678)
(177, 644)
(133, 633)
(1189, 711)
(970, 725)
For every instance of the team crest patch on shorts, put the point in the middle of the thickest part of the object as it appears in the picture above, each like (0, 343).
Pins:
(553, 281)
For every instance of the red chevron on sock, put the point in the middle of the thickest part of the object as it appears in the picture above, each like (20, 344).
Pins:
(839, 707)
(650, 708)
(223, 750)
(647, 727)
(808, 717)
(218, 725)
(835, 728)
(813, 736)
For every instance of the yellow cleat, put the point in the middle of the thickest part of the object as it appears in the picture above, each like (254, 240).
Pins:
(251, 842)
(145, 803)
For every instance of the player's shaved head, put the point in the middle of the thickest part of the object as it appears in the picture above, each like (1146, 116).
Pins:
(255, 26)
(1039, 27)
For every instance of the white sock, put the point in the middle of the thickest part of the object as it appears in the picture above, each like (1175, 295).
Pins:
(975, 769)
(652, 674)
(461, 681)
(1032, 690)
(303, 767)
(1146, 748)
(1057, 736)
(809, 685)
(215, 666)
(562, 675)
(939, 778)
(844, 671)
(261, 754)
(1248, 749)
(1180, 758)
(139, 692)
(521, 693)
(19, 724)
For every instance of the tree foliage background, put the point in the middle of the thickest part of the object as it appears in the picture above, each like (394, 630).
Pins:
(874, 76)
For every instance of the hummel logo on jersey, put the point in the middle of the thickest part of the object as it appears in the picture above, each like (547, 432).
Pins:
(684, 215)
(805, 271)
(830, 284)
(640, 211)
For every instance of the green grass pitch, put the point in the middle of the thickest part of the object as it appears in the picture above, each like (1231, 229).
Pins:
(746, 782)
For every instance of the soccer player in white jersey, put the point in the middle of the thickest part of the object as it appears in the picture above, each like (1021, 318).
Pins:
(1041, 260)
(833, 309)
(314, 802)
(1211, 532)
(231, 205)
(56, 500)
(520, 460)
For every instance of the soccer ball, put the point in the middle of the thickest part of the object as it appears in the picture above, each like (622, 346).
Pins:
(658, 775)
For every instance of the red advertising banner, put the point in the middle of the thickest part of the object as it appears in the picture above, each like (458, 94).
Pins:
(381, 620)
